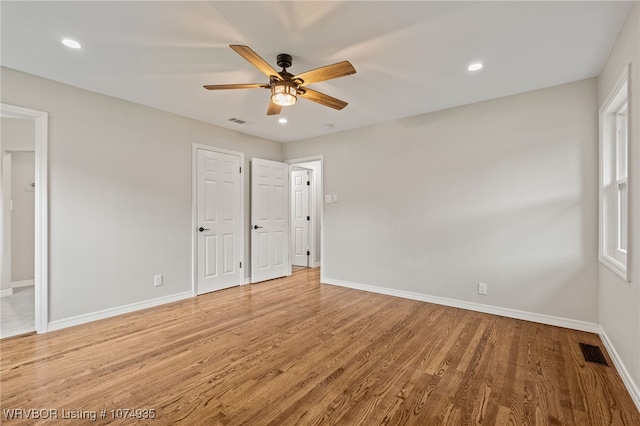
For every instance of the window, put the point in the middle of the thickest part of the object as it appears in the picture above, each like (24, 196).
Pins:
(614, 185)
(621, 177)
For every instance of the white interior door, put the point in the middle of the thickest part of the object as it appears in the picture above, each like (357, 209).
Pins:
(269, 220)
(218, 220)
(300, 218)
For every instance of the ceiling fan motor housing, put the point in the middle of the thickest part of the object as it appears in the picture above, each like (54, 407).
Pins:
(284, 60)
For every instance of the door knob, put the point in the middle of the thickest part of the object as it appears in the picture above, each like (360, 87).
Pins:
(257, 227)
(203, 229)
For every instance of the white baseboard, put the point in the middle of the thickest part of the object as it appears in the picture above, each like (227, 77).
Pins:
(632, 387)
(478, 307)
(23, 283)
(16, 284)
(107, 313)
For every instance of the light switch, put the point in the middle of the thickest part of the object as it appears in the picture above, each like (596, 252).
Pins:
(327, 199)
(335, 198)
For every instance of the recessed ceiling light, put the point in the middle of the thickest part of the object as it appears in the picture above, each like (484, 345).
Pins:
(475, 67)
(71, 43)
(282, 120)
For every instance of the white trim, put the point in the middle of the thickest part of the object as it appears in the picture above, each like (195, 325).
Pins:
(632, 388)
(620, 265)
(471, 306)
(194, 211)
(23, 283)
(6, 293)
(615, 266)
(305, 159)
(112, 312)
(41, 120)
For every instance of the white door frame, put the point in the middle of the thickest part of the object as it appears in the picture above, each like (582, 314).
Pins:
(41, 261)
(194, 211)
(314, 220)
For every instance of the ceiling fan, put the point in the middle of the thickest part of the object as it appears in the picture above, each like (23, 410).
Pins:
(286, 87)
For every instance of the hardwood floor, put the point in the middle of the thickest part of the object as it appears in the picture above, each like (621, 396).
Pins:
(297, 352)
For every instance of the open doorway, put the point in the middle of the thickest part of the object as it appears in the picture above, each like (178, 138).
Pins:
(23, 255)
(17, 289)
(311, 208)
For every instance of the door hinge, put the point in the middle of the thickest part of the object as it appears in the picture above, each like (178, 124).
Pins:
(241, 264)
(308, 217)
(308, 253)
(240, 169)
(308, 183)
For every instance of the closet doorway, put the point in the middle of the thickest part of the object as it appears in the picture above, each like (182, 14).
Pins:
(306, 203)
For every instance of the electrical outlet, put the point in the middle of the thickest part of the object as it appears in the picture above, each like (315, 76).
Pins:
(157, 280)
(482, 288)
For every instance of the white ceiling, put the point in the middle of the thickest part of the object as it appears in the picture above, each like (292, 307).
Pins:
(411, 57)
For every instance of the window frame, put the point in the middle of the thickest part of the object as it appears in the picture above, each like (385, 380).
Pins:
(622, 162)
(613, 122)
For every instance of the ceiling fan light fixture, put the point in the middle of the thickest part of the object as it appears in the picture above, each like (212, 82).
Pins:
(284, 93)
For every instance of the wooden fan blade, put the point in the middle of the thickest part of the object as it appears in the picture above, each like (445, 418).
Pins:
(274, 109)
(255, 60)
(328, 72)
(322, 99)
(235, 86)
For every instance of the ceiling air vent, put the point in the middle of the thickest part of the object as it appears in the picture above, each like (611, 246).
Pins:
(239, 121)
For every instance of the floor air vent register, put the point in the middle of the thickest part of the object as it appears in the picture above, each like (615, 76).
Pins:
(593, 354)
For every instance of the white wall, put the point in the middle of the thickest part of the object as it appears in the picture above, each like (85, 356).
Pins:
(22, 215)
(17, 134)
(619, 300)
(119, 194)
(503, 192)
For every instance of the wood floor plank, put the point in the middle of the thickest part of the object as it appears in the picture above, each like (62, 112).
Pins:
(294, 351)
